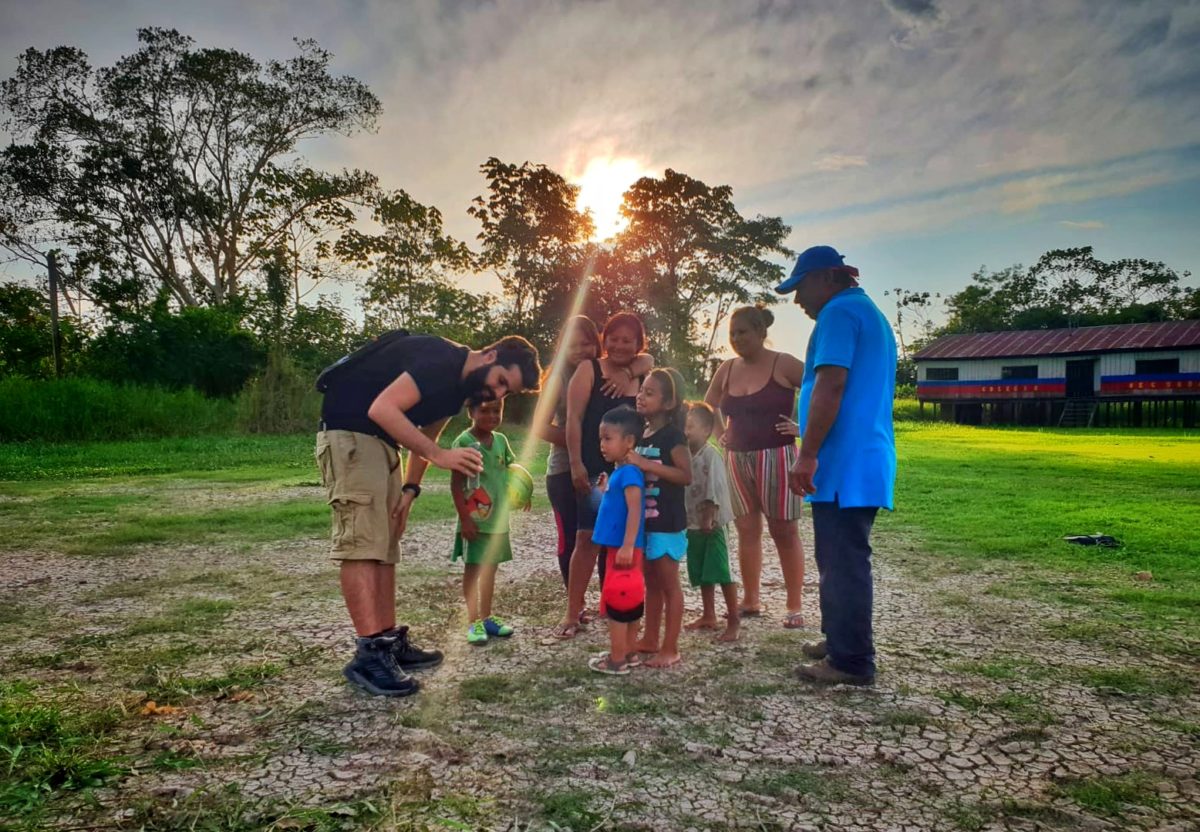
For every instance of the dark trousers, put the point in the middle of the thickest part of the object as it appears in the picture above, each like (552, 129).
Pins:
(843, 554)
(566, 517)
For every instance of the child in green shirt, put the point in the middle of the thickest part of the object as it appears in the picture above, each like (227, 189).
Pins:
(481, 501)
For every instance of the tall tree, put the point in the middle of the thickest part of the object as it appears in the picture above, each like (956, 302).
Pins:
(535, 238)
(698, 258)
(412, 263)
(174, 167)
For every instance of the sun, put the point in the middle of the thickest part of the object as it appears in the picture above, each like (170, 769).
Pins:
(602, 186)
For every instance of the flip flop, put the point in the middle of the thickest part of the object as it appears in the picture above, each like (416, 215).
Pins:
(634, 661)
(567, 632)
(601, 664)
(794, 621)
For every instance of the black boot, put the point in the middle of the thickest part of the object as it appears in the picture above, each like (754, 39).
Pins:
(408, 655)
(374, 668)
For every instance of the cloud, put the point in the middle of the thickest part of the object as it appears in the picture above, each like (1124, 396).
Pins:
(1082, 224)
(989, 109)
(838, 162)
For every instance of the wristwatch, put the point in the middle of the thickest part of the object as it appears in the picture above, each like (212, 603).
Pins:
(413, 487)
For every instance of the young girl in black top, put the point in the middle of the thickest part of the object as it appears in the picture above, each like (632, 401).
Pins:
(663, 456)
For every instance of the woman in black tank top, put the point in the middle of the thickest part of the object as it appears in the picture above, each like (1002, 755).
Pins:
(623, 339)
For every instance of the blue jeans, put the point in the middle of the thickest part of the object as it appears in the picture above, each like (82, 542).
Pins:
(843, 553)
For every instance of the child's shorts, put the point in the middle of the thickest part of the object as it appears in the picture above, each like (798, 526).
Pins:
(489, 549)
(708, 558)
(673, 545)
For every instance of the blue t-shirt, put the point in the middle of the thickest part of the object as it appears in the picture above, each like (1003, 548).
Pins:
(857, 462)
(610, 522)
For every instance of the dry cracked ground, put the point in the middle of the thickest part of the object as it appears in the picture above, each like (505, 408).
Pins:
(991, 711)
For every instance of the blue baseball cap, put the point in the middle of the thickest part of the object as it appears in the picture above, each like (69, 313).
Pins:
(810, 260)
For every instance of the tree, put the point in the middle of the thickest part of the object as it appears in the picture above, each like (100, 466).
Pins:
(535, 239)
(697, 258)
(412, 264)
(1069, 287)
(175, 167)
(25, 345)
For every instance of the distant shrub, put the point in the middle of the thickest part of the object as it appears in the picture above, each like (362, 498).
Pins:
(282, 399)
(78, 408)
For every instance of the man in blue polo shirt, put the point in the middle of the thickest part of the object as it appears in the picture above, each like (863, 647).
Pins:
(847, 463)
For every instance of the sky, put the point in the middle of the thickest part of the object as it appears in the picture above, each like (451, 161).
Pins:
(922, 138)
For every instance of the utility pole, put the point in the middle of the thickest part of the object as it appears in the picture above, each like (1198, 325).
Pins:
(55, 338)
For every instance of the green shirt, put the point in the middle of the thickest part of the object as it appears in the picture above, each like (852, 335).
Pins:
(487, 493)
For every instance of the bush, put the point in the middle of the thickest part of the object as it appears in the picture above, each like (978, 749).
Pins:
(281, 400)
(202, 348)
(66, 409)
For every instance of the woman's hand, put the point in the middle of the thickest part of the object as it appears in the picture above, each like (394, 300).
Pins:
(615, 386)
(579, 479)
(787, 427)
(637, 460)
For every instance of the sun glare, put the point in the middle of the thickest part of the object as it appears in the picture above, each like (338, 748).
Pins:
(602, 185)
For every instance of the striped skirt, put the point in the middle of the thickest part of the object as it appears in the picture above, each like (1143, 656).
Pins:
(758, 482)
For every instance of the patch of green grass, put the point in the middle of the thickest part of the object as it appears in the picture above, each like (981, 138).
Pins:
(1133, 680)
(174, 761)
(571, 810)
(818, 783)
(172, 688)
(1191, 729)
(191, 616)
(1111, 795)
(490, 689)
(986, 494)
(49, 749)
(1016, 706)
(966, 817)
(1004, 668)
(903, 717)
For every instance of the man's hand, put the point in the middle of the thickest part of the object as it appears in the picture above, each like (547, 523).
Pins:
(399, 516)
(466, 461)
(800, 478)
(624, 558)
(579, 479)
(469, 530)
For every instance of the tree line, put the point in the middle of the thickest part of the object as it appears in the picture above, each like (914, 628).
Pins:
(172, 189)
(198, 246)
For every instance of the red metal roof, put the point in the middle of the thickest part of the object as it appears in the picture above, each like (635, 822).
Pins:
(1084, 339)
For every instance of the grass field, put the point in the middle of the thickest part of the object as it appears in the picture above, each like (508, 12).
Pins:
(979, 521)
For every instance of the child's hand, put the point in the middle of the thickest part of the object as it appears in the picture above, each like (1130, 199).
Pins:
(624, 558)
(602, 481)
(708, 518)
(469, 530)
(528, 507)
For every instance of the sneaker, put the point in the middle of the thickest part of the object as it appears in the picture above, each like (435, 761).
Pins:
(408, 655)
(374, 669)
(814, 650)
(477, 633)
(496, 627)
(823, 673)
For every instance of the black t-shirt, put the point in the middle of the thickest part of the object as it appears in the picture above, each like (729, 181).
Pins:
(665, 507)
(436, 366)
(597, 405)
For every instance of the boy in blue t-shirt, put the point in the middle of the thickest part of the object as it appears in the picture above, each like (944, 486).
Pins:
(620, 532)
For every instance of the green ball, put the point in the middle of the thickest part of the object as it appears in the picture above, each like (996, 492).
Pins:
(520, 486)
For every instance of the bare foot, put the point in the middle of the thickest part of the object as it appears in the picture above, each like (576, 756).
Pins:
(702, 623)
(663, 660)
(643, 647)
(732, 630)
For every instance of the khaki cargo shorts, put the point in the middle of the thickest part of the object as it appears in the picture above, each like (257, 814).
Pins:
(363, 478)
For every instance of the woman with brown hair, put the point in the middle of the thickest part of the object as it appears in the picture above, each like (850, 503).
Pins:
(581, 342)
(754, 395)
(588, 399)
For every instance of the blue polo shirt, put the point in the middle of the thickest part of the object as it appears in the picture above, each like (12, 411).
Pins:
(857, 463)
